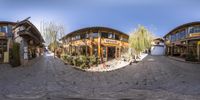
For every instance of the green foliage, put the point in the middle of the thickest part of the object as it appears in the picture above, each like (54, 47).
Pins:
(75, 61)
(15, 60)
(140, 39)
(92, 60)
(81, 61)
(84, 62)
(191, 57)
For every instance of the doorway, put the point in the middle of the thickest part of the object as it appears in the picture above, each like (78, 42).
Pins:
(111, 53)
(198, 50)
(3, 48)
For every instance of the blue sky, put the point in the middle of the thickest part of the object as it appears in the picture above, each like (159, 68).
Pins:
(159, 16)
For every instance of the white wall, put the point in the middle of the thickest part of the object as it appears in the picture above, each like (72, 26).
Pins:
(158, 50)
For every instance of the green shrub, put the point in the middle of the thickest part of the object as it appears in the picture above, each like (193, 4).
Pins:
(92, 60)
(69, 59)
(81, 61)
(15, 52)
(64, 56)
(191, 57)
(84, 62)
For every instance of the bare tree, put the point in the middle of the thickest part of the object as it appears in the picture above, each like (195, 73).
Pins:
(52, 33)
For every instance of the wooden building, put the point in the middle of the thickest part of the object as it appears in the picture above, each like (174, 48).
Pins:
(102, 42)
(24, 33)
(30, 39)
(6, 36)
(184, 41)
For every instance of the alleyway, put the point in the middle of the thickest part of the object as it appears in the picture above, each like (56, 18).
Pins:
(49, 79)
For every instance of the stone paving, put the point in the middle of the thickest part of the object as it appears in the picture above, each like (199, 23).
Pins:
(48, 78)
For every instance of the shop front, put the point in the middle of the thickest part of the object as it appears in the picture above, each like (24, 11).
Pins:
(3, 50)
(194, 48)
(4, 57)
(30, 39)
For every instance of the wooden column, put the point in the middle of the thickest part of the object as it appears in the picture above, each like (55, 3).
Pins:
(115, 52)
(187, 47)
(91, 45)
(106, 53)
(99, 45)
(198, 51)
(120, 51)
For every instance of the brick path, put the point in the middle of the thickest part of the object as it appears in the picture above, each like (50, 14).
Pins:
(155, 78)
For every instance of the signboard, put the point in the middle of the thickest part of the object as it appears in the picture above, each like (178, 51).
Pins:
(110, 41)
(25, 55)
(194, 35)
(2, 34)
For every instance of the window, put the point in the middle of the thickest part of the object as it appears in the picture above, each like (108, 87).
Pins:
(4, 29)
(117, 37)
(104, 35)
(111, 35)
(197, 29)
(173, 37)
(183, 34)
(83, 36)
(78, 37)
(191, 29)
(95, 35)
(124, 39)
(194, 29)
(87, 35)
(73, 38)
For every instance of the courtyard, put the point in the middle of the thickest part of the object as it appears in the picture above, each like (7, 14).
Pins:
(48, 78)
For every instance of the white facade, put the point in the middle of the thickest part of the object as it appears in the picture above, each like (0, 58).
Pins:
(158, 49)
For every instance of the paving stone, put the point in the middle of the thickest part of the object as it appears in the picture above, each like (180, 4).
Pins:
(156, 77)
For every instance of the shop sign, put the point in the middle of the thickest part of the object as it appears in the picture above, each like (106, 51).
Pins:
(25, 55)
(2, 34)
(110, 41)
(194, 35)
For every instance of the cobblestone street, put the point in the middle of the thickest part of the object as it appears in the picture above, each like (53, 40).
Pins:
(155, 78)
